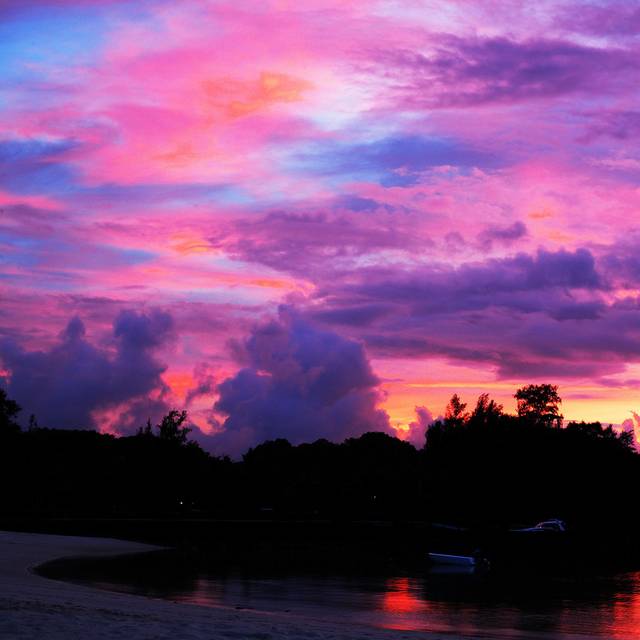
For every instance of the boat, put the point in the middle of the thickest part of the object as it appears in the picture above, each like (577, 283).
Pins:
(449, 559)
(554, 526)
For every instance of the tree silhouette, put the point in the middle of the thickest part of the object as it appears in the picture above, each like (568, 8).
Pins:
(171, 429)
(486, 411)
(146, 431)
(33, 423)
(9, 409)
(539, 404)
(454, 414)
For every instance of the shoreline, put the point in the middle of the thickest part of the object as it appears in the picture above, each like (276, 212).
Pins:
(33, 606)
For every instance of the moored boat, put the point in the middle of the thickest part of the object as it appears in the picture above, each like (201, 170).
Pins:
(449, 559)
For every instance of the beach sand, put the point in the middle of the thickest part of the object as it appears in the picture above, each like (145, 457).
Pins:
(37, 608)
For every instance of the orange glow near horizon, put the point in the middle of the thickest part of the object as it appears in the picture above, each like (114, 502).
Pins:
(588, 402)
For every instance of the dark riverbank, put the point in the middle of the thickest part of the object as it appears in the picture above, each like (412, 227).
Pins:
(292, 542)
(348, 546)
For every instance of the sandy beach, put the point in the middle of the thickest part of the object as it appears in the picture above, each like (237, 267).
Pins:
(34, 607)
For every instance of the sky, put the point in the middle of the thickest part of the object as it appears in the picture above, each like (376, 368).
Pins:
(314, 219)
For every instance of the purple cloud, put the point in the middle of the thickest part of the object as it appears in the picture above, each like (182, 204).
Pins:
(65, 384)
(618, 124)
(621, 262)
(302, 243)
(462, 72)
(610, 19)
(502, 234)
(506, 282)
(528, 315)
(300, 383)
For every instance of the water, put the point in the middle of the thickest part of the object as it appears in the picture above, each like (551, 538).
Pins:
(507, 606)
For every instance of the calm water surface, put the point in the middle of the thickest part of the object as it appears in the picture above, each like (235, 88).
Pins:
(485, 605)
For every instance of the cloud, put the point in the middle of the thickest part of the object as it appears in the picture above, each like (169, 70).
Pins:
(621, 262)
(462, 72)
(512, 344)
(618, 124)
(632, 425)
(299, 383)
(526, 315)
(514, 282)
(204, 383)
(302, 243)
(393, 161)
(620, 18)
(418, 428)
(502, 234)
(33, 166)
(65, 384)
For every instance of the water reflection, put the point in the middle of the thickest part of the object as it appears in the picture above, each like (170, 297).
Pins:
(496, 606)
(625, 619)
(596, 607)
(402, 597)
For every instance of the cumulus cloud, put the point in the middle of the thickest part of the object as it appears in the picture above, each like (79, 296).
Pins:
(632, 425)
(418, 428)
(65, 384)
(300, 383)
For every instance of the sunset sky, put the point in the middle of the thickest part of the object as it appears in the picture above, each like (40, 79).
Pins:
(315, 218)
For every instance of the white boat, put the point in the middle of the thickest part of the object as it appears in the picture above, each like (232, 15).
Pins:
(448, 559)
(554, 525)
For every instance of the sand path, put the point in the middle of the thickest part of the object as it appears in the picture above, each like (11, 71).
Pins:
(36, 608)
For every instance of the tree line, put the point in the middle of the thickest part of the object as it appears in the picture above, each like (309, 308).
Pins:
(480, 466)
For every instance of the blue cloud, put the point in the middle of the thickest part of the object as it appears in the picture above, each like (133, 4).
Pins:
(35, 166)
(392, 161)
(35, 37)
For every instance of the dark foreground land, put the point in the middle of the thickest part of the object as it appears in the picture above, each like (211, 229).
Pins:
(369, 500)
(349, 548)
(367, 509)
